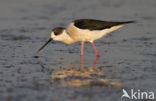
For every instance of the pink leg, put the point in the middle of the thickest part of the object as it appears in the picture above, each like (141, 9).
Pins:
(82, 45)
(98, 55)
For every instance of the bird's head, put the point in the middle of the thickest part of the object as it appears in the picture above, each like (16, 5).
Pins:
(56, 34)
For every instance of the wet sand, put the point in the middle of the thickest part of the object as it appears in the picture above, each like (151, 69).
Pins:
(128, 55)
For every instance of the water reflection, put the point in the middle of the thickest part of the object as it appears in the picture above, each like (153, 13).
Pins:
(94, 62)
(73, 75)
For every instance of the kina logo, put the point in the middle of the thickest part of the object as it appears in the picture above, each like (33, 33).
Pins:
(138, 94)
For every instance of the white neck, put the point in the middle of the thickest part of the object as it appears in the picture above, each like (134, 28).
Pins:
(67, 39)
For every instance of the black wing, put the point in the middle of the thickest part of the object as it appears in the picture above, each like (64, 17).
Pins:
(92, 24)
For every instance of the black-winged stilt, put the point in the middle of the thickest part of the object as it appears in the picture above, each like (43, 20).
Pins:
(84, 30)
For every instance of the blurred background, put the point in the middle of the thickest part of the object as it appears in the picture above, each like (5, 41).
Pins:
(128, 55)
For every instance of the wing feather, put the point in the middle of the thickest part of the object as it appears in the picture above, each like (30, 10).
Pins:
(92, 24)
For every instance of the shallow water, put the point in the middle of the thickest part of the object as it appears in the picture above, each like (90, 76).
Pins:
(128, 55)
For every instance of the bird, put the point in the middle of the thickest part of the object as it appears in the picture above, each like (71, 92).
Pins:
(84, 30)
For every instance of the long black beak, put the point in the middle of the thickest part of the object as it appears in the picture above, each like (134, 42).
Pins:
(44, 45)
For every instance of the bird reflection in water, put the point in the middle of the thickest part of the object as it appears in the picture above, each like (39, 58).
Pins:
(73, 75)
(94, 63)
